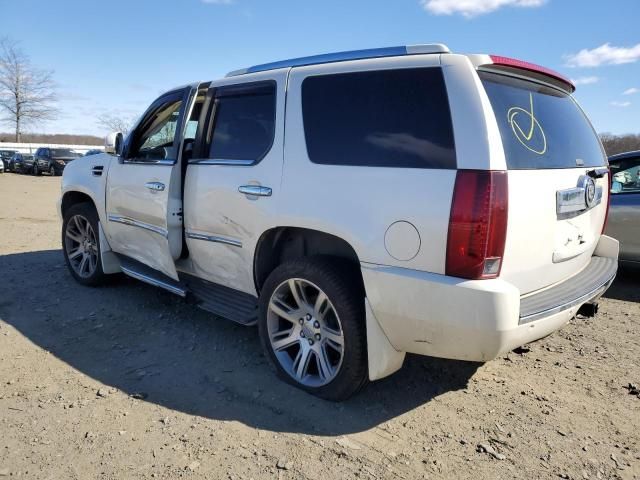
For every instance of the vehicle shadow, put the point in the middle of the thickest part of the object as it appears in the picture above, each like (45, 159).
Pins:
(142, 340)
(626, 286)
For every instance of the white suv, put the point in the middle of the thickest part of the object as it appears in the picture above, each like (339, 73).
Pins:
(358, 206)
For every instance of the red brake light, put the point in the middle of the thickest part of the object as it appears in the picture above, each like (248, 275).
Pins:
(532, 67)
(477, 224)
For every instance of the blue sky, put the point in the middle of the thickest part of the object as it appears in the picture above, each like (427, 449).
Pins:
(116, 57)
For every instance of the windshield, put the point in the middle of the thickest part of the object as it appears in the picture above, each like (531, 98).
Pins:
(6, 153)
(541, 127)
(63, 153)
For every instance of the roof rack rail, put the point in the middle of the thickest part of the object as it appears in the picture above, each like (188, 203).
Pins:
(430, 48)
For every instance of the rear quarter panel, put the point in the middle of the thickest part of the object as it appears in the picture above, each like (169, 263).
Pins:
(359, 203)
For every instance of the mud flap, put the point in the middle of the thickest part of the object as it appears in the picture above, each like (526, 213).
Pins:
(383, 358)
(110, 262)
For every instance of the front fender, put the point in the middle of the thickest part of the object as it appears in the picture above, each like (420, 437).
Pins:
(79, 176)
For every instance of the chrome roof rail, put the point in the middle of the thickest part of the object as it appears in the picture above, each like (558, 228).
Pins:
(431, 48)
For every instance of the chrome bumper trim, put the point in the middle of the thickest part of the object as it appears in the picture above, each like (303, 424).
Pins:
(214, 238)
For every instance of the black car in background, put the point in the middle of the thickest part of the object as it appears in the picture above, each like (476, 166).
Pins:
(52, 160)
(17, 163)
(5, 155)
(94, 151)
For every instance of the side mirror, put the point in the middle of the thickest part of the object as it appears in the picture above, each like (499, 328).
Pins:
(113, 143)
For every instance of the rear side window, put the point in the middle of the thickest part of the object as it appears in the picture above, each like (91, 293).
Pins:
(385, 118)
(541, 127)
(244, 122)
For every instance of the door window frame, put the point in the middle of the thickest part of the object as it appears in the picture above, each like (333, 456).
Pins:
(183, 95)
(206, 124)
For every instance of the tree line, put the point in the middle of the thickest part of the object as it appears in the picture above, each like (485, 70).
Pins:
(55, 138)
(620, 143)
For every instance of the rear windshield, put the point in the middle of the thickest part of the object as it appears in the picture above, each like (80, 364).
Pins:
(541, 127)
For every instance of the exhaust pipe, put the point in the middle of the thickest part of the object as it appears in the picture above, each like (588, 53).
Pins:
(588, 310)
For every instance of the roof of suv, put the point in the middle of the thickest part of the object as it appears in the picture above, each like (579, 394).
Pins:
(622, 156)
(430, 48)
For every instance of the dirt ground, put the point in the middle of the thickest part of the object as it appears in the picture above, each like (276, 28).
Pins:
(128, 382)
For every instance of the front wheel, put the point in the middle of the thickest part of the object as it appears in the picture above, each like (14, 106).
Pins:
(81, 244)
(312, 326)
(36, 170)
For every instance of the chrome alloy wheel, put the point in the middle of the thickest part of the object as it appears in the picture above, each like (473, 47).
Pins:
(81, 246)
(305, 332)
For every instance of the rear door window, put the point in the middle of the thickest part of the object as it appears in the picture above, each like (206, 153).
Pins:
(383, 118)
(244, 122)
(541, 127)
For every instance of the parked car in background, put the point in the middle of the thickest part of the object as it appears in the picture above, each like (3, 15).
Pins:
(17, 162)
(624, 213)
(52, 160)
(5, 155)
(2, 170)
(94, 151)
(424, 201)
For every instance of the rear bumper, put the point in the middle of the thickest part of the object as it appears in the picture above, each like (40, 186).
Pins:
(477, 320)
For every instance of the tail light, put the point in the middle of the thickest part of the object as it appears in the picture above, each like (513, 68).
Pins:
(477, 224)
(606, 212)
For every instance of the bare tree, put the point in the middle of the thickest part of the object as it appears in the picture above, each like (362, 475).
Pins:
(620, 143)
(27, 94)
(114, 123)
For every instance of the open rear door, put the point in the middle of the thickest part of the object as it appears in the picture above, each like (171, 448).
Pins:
(144, 188)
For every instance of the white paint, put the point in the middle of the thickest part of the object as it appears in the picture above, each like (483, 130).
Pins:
(402, 241)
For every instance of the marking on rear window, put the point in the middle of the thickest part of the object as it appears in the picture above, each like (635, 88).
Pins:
(527, 129)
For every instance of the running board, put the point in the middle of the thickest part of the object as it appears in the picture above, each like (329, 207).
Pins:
(223, 301)
(142, 272)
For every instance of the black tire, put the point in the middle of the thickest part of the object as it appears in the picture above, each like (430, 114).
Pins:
(86, 210)
(52, 171)
(36, 170)
(342, 283)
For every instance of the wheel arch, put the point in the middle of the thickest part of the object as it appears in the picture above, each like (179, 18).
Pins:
(279, 244)
(73, 197)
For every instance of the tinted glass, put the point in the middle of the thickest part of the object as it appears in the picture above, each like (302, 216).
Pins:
(541, 127)
(625, 175)
(63, 153)
(244, 125)
(390, 118)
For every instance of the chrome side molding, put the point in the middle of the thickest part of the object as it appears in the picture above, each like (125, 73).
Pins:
(220, 161)
(214, 238)
(135, 223)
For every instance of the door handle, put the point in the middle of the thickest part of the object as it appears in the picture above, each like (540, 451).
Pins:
(255, 190)
(155, 186)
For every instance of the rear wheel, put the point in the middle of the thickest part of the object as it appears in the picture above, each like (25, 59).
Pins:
(52, 171)
(312, 326)
(81, 244)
